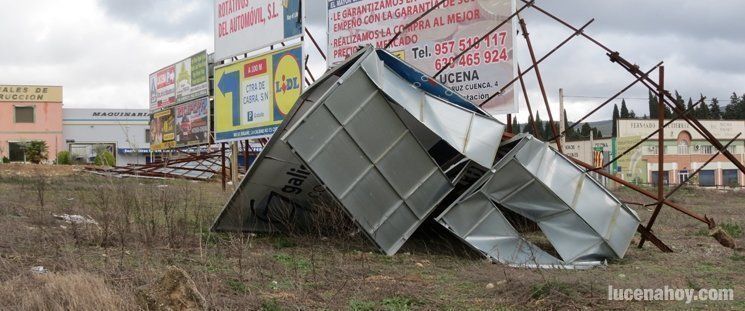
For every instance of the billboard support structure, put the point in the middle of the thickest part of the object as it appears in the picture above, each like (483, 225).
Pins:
(538, 77)
(666, 98)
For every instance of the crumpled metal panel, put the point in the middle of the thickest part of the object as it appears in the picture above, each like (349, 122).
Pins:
(278, 187)
(461, 124)
(360, 149)
(584, 222)
(365, 134)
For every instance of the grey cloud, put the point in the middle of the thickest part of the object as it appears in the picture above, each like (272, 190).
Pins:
(703, 20)
(164, 18)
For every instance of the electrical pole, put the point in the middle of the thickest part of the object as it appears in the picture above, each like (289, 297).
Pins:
(562, 113)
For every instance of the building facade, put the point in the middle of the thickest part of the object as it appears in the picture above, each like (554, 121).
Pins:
(685, 151)
(122, 132)
(30, 113)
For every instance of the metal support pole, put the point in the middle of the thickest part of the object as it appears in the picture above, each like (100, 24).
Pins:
(660, 153)
(573, 125)
(538, 77)
(536, 133)
(671, 192)
(615, 57)
(318, 47)
(642, 191)
(671, 102)
(307, 70)
(562, 114)
(222, 158)
(234, 162)
(246, 153)
(509, 123)
(650, 135)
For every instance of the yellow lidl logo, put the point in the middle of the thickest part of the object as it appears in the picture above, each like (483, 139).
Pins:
(287, 83)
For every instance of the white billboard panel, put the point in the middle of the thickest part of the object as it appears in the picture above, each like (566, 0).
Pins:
(243, 26)
(433, 41)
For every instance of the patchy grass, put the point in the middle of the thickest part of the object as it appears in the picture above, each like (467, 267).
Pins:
(362, 305)
(146, 225)
(733, 229)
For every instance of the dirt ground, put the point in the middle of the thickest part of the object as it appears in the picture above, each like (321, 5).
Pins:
(144, 226)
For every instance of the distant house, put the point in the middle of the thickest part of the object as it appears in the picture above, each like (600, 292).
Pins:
(30, 113)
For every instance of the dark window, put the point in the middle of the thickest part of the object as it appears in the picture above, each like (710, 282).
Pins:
(16, 152)
(147, 135)
(729, 178)
(706, 178)
(24, 114)
(665, 177)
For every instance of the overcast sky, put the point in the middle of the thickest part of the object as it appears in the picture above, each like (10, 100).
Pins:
(102, 51)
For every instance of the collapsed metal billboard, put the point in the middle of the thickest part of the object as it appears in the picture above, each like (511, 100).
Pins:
(389, 144)
(584, 223)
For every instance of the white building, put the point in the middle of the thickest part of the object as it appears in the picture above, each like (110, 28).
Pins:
(123, 132)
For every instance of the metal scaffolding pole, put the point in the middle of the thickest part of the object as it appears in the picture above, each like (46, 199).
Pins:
(531, 121)
(538, 77)
(660, 153)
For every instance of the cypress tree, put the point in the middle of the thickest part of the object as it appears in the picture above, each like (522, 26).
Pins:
(624, 110)
(690, 107)
(716, 112)
(703, 110)
(653, 111)
(615, 119)
(730, 111)
(585, 131)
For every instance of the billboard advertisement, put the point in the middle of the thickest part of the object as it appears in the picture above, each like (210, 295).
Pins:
(632, 167)
(432, 42)
(192, 123)
(243, 26)
(180, 82)
(162, 132)
(253, 96)
(163, 88)
(30, 93)
(192, 78)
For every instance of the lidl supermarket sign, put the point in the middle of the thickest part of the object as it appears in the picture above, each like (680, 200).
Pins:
(30, 93)
(253, 96)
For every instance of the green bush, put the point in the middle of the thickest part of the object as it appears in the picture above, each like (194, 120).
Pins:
(37, 151)
(6, 160)
(63, 158)
(105, 159)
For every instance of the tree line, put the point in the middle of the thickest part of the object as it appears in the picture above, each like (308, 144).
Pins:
(702, 109)
(545, 131)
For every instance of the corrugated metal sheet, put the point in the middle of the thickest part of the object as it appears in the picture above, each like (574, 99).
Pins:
(584, 222)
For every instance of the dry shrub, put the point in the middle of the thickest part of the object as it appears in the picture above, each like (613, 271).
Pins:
(52, 291)
(329, 219)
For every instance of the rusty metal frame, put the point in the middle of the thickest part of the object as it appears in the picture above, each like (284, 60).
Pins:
(695, 172)
(648, 136)
(531, 120)
(538, 77)
(619, 93)
(664, 99)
